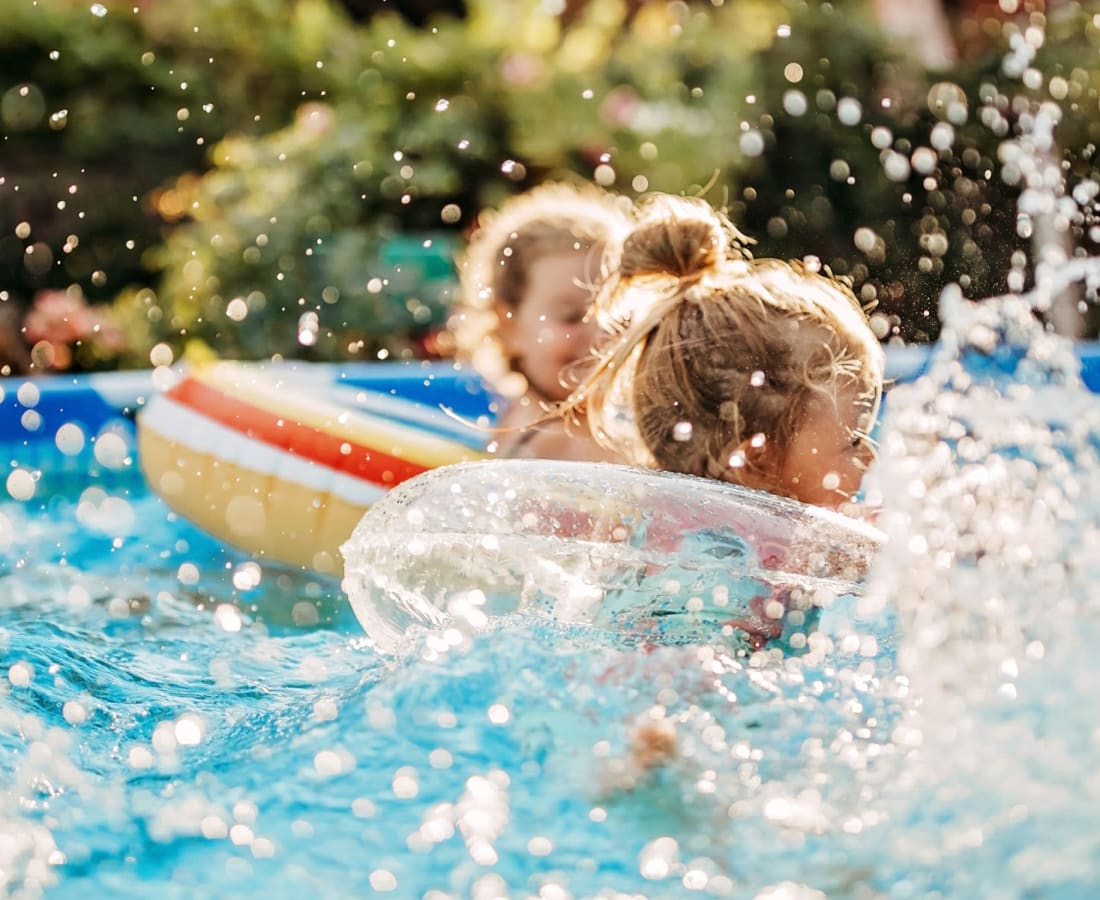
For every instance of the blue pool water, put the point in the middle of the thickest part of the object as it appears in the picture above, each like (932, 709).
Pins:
(160, 750)
(171, 727)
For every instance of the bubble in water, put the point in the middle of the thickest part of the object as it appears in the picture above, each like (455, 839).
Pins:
(228, 618)
(325, 709)
(247, 576)
(28, 394)
(383, 880)
(140, 758)
(30, 420)
(305, 614)
(188, 573)
(75, 712)
(682, 431)
(111, 450)
(189, 731)
(105, 513)
(657, 859)
(362, 808)
(21, 674)
(405, 784)
(21, 484)
(70, 439)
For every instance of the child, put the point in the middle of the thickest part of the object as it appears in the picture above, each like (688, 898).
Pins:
(527, 280)
(760, 373)
(764, 374)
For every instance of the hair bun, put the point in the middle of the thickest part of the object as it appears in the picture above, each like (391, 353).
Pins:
(676, 236)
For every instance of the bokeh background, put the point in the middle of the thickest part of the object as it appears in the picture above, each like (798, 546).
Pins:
(258, 178)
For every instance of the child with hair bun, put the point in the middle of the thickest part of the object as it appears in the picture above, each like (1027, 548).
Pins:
(764, 374)
(761, 373)
(527, 283)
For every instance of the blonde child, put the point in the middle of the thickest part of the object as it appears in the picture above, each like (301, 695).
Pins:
(527, 282)
(762, 373)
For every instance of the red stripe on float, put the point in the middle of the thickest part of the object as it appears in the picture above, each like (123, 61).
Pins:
(295, 438)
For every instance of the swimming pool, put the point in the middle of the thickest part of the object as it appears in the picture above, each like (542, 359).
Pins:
(180, 722)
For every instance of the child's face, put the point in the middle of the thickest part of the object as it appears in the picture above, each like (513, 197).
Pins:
(829, 453)
(547, 332)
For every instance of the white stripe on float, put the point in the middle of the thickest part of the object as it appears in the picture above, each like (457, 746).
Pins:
(196, 432)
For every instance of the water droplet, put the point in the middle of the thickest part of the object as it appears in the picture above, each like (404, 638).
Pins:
(752, 143)
(849, 111)
(795, 103)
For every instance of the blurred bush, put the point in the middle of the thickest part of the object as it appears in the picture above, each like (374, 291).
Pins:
(275, 177)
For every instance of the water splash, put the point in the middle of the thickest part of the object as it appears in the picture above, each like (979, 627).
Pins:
(991, 478)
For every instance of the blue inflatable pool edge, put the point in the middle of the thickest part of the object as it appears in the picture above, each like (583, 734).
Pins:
(32, 409)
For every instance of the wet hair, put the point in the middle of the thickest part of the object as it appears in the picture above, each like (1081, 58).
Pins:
(549, 219)
(713, 351)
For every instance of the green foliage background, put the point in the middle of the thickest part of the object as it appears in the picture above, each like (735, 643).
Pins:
(321, 172)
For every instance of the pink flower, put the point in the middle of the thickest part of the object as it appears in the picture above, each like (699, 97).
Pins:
(60, 320)
(59, 317)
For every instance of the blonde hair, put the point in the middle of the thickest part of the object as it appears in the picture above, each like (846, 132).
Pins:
(549, 219)
(712, 349)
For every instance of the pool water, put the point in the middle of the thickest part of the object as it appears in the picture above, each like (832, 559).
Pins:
(180, 721)
(168, 739)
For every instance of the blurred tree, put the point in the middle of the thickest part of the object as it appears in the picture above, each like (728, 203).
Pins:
(101, 103)
(271, 177)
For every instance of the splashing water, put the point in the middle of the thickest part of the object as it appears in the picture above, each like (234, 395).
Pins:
(991, 479)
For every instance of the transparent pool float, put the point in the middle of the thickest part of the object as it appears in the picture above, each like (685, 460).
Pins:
(641, 555)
